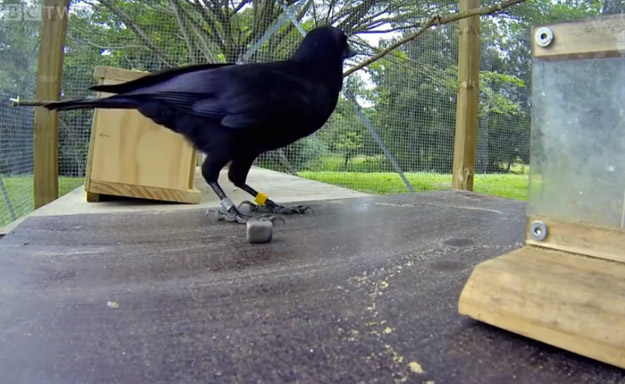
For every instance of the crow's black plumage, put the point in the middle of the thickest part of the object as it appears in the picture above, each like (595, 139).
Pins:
(235, 112)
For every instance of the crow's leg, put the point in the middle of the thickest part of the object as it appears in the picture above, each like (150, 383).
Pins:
(229, 212)
(210, 171)
(237, 173)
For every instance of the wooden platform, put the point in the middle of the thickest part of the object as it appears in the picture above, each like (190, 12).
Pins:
(568, 300)
(364, 291)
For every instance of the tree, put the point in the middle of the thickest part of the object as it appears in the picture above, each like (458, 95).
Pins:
(414, 105)
(211, 30)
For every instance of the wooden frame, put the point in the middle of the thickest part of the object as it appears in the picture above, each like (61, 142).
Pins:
(566, 289)
(579, 238)
(588, 38)
(129, 155)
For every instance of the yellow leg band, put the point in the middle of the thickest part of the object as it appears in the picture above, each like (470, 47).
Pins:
(261, 198)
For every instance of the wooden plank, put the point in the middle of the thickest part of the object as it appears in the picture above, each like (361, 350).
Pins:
(49, 77)
(597, 37)
(104, 75)
(98, 74)
(93, 197)
(584, 239)
(465, 146)
(190, 196)
(117, 74)
(570, 301)
(192, 170)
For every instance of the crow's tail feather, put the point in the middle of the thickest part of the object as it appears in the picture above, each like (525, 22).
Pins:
(113, 102)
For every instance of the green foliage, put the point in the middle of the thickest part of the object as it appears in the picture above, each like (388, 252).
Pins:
(19, 46)
(349, 143)
(359, 163)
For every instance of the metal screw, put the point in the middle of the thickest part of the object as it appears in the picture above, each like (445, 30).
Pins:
(538, 231)
(543, 36)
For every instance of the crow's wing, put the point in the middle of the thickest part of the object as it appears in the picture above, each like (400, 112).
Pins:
(240, 96)
(155, 78)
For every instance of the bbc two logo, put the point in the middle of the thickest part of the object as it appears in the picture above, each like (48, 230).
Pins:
(21, 12)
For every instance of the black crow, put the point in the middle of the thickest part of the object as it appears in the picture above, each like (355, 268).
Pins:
(235, 112)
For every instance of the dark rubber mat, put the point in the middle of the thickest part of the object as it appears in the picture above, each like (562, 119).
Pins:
(363, 291)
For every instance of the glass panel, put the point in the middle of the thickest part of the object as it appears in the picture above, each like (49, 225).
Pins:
(578, 141)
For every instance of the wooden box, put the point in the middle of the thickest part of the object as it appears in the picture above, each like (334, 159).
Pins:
(131, 156)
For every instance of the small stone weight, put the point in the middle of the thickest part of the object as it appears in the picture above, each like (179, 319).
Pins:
(259, 231)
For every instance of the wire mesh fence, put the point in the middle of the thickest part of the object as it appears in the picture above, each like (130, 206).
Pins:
(18, 65)
(392, 130)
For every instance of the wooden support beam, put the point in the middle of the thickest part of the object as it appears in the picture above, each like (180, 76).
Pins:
(49, 76)
(465, 146)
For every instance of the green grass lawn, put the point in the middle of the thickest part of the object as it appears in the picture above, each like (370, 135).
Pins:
(20, 191)
(503, 185)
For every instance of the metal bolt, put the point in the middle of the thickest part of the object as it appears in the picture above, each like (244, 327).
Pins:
(543, 36)
(538, 231)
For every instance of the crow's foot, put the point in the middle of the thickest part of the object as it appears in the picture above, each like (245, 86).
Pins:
(234, 216)
(271, 207)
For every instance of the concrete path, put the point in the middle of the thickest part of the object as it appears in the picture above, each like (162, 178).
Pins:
(281, 187)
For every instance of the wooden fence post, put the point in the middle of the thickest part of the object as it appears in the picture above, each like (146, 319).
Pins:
(49, 75)
(465, 146)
